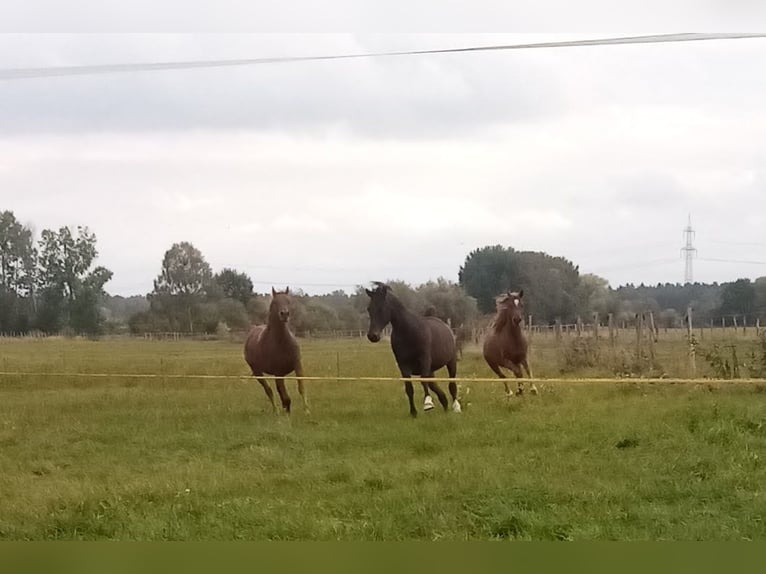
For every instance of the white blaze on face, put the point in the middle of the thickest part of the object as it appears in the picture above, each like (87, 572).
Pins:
(516, 302)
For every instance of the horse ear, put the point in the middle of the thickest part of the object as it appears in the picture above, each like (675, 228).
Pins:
(287, 290)
(521, 293)
(273, 291)
(369, 293)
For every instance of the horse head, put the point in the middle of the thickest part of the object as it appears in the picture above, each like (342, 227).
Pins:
(511, 303)
(280, 305)
(378, 309)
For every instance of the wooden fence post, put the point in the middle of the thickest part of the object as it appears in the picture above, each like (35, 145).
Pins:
(653, 327)
(692, 351)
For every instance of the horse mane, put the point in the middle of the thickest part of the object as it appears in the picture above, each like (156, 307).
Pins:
(500, 320)
(430, 312)
(503, 310)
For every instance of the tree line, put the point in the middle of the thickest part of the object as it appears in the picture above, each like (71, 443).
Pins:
(555, 289)
(189, 297)
(53, 285)
(50, 285)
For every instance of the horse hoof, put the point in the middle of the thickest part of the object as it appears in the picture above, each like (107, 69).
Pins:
(428, 404)
(533, 390)
(456, 408)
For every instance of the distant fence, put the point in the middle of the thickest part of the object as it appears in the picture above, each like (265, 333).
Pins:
(610, 327)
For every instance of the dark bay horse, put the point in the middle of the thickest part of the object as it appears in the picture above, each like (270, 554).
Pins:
(421, 345)
(505, 345)
(272, 349)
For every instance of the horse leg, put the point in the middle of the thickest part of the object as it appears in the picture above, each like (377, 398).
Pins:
(533, 387)
(267, 388)
(427, 373)
(439, 393)
(301, 390)
(517, 371)
(410, 396)
(283, 395)
(496, 369)
(428, 402)
(452, 371)
(409, 390)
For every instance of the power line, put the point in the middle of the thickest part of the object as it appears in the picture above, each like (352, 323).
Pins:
(741, 261)
(54, 71)
(651, 263)
(744, 243)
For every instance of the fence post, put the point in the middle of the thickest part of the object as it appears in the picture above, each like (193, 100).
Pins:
(595, 325)
(639, 334)
(579, 326)
(692, 351)
(653, 327)
(611, 329)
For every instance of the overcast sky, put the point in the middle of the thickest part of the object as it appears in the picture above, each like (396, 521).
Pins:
(324, 175)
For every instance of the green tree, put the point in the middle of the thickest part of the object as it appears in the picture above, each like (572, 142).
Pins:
(234, 285)
(738, 298)
(549, 283)
(18, 261)
(759, 285)
(70, 292)
(182, 286)
(18, 257)
(487, 272)
(448, 301)
(233, 314)
(592, 295)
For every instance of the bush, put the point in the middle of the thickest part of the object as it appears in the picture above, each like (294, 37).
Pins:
(581, 352)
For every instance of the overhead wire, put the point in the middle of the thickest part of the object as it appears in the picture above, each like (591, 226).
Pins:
(54, 71)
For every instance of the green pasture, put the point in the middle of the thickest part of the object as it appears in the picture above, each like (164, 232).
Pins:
(203, 459)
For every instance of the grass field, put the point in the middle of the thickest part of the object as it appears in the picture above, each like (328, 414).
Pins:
(190, 459)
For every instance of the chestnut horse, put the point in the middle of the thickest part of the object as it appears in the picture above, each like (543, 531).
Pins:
(272, 349)
(421, 345)
(506, 346)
